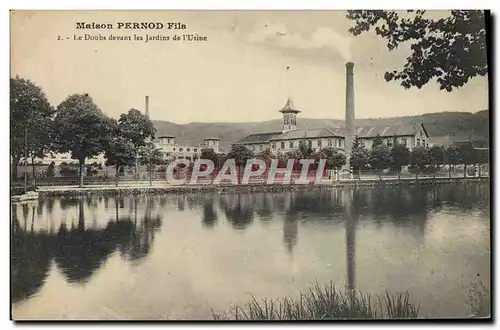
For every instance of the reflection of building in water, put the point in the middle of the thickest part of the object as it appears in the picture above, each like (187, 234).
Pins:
(78, 250)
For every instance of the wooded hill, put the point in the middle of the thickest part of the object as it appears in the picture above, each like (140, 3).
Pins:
(461, 125)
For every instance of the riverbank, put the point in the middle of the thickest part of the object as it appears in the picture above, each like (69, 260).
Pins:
(165, 189)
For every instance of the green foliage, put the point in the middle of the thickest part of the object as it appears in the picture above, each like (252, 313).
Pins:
(82, 128)
(436, 156)
(209, 153)
(359, 155)
(150, 155)
(334, 158)
(400, 156)
(240, 154)
(452, 155)
(467, 153)
(419, 157)
(327, 303)
(377, 141)
(30, 117)
(380, 157)
(136, 128)
(119, 152)
(451, 50)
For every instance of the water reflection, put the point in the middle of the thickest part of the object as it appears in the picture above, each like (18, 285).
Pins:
(78, 236)
(78, 251)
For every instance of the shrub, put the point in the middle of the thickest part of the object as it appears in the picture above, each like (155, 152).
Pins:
(51, 170)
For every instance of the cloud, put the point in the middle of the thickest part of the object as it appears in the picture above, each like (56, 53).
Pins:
(277, 35)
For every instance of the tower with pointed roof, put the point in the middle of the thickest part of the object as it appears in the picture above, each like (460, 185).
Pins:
(289, 116)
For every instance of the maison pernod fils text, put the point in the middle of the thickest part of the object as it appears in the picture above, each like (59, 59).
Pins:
(131, 26)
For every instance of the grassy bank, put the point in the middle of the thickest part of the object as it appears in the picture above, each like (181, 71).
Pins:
(329, 303)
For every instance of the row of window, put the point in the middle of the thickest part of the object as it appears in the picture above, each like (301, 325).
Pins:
(295, 144)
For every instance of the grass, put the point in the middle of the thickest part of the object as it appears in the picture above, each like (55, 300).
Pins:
(326, 303)
(479, 300)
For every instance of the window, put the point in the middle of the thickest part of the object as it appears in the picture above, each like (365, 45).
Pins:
(310, 144)
(188, 149)
(418, 142)
(330, 142)
(174, 148)
(260, 147)
(282, 145)
(319, 143)
(180, 149)
(291, 144)
(273, 145)
(403, 141)
(195, 149)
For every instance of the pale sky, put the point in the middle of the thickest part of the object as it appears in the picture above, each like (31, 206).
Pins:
(238, 75)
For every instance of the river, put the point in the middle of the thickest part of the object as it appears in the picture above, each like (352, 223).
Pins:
(180, 256)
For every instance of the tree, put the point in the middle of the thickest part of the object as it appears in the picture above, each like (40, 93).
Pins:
(359, 156)
(400, 156)
(435, 154)
(451, 49)
(482, 157)
(240, 154)
(119, 153)
(303, 150)
(467, 155)
(377, 141)
(380, 158)
(151, 156)
(334, 158)
(136, 128)
(419, 158)
(81, 128)
(451, 157)
(31, 117)
(209, 153)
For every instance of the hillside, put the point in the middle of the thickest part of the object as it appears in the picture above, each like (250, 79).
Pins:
(463, 125)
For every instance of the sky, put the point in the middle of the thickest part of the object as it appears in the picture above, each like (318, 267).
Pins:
(250, 64)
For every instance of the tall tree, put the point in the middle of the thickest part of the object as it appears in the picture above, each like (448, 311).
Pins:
(31, 117)
(380, 158)
(136, 128)
(451, 157)
(119, 151)
(359, 156)
(334, 159)
(436, 157)
(467, 154)
(450, 49)
(241, 155)
(150, 156)
(400, 156)
(81, 128)
(419, 157)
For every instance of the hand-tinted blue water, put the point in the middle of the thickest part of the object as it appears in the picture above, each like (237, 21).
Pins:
(178, 257)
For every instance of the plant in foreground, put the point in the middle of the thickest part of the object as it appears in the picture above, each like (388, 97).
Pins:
(323, 303)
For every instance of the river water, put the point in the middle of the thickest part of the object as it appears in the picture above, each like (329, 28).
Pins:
(179, 257)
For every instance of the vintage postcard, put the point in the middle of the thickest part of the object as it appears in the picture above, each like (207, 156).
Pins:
(250, 165)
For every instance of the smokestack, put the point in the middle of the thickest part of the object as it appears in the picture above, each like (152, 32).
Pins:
(147, 106)
(349, 106)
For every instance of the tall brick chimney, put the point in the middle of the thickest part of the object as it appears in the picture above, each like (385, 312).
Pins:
(147, 106)
(349, 107)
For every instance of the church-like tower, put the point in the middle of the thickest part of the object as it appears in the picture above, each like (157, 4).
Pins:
(289, 116)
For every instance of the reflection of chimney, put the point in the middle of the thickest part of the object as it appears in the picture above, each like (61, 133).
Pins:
(349, 106)
(147, 106)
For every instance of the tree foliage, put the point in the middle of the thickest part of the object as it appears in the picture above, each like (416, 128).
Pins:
(31, 116)
(209, 153)
(380, 157)
(334, 158)
(240, 154)
(419, 157)
(81, 128)
(377, 141)
(451, 49)
(359, 155)
(136, 128)
(400, 156)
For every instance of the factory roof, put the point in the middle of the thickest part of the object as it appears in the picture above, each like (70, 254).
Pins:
(306, 134)
(257, 138)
